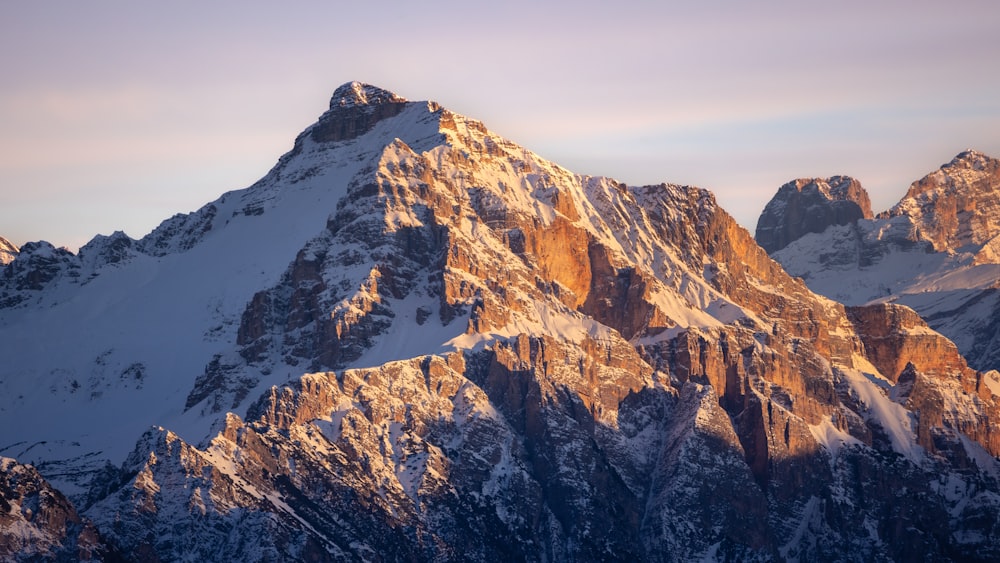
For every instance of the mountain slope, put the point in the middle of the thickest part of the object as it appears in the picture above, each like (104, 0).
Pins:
(414, 339)
(38, 523)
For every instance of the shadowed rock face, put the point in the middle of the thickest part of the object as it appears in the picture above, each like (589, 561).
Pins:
(610, 372)
(36, 266)
(810, 206)
(38, 523)
(354, 109)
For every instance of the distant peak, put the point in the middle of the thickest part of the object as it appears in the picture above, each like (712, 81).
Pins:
(810, 205)
(835, 188)
(354, 94)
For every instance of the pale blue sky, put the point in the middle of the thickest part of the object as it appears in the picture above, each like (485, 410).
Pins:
(116, 115)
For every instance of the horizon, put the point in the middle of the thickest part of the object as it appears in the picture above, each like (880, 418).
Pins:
(118, 117)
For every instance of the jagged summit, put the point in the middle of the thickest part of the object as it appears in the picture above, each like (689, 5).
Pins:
(356, 93)
(810, 205)
(964, 173)
(354, 109)
(970, 158)
(956, 206)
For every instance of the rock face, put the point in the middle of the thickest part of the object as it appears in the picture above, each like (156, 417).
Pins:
(416, 340)
(935, 251)
(8, 251)
(810, 206)
(38, 523)
(956, 206)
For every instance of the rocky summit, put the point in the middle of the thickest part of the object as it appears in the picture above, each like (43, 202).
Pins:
(810, 206)
(416, 340)
(936, 251)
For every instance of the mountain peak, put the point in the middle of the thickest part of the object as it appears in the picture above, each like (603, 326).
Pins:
(957, 205)
(353, 94)
(810, 205)
(970, 159)
(355, 108)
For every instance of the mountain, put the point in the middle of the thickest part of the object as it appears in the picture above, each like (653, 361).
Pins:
(38, 523)
(935, 251)
(810, 206)
(416, 340)
(8, 251)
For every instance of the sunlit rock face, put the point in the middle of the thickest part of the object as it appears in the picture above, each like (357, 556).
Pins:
(957, 205)
(8, 251)
(442, 347)
(935, 251)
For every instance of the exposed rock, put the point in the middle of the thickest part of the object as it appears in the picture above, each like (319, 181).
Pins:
(956, 206)
(895, 336)
(946, 396)
(935, 251)
(8, 251)
(354, 109)
(179, 233)
(38, 265)
(102, 250)
(38, 523)
(810, 206)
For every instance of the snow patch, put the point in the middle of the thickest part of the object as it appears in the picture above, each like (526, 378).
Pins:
(893, 417)
(832, 438)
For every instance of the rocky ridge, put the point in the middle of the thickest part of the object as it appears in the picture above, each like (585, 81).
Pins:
(38, 523)
(956, 206)
(464, 352)
(935, 251)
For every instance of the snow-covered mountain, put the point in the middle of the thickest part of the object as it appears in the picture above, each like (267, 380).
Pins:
(414, 339)
(937, 251)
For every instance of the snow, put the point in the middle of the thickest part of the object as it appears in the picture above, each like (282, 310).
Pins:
(80, 352)
(893, 417)
(712, 554)
(405, 338)
(831, 438)
(810, 521)
(986, 462)
(829, 264)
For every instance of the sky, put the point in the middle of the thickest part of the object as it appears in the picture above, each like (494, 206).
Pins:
(117, 115)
